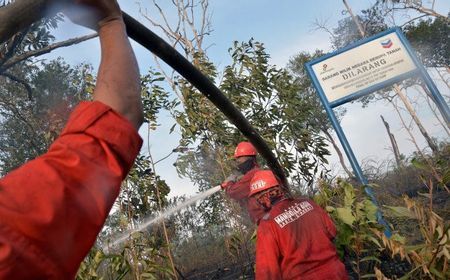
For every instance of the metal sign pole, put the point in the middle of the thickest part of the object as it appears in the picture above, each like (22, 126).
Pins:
(348, 150)
(362, 68)
(342, 138)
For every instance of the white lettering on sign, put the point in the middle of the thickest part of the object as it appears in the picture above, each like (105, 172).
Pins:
(293, 213)
(366, 65)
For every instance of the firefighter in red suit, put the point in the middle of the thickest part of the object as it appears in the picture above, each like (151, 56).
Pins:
(52, 208)
(236, 186)
(295, 237)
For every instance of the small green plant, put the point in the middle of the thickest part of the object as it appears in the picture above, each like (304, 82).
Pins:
(142, 257)
(355, 218)
(97, 264)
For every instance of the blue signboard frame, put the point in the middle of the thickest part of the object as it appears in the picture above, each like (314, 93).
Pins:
(419, 71)
(440, 102)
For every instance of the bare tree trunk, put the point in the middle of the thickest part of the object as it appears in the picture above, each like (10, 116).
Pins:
(338, 151)
(393, 143)
(358, 24)
(20, 14)
(159, 200)
(413, 114)
(443, 78)
(408, 129)
(187, 32)
(398, 91)
(430, 164)
(431, 12)
(429, 96)
(34, 53)
(416, 6)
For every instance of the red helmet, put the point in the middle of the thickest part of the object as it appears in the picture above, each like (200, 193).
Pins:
(244, 149)
(262, 180)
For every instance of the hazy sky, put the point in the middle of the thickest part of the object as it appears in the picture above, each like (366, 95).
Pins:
(286, 27)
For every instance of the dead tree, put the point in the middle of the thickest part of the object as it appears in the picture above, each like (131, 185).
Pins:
(338, 152)
(395, 149)
(429, 99)
(187, 33)
(417, 6)
(399, 92)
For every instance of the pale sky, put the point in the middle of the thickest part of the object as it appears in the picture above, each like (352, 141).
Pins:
(286, 28)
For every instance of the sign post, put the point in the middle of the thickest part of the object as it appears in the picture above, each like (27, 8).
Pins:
(362, 68)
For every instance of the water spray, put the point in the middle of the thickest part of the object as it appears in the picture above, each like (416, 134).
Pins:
(160, 216)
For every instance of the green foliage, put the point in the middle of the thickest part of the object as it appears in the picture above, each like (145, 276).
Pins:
(431, 41)
(418, 249)
(274, 104)
(139, 195)
(355, 216)
(271, 99)
(204, 127)
(428, 37)
(199, 117)
(145, 253)
(435, 166)
(29, 126)
(97, 265)
(35, 102)
(155, 98)
(35, 37)
(282, 105)
(318, 118)
(205, 167)
(372, 19)
(140, 258)
(358, 239)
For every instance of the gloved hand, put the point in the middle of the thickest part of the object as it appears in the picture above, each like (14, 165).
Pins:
(226, 184)
(92, 13)
(230, 180)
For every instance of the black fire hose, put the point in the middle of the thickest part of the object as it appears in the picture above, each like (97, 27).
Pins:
(20, 14)
(174, 59)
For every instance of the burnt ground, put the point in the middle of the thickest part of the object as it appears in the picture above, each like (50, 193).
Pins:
(230, 272)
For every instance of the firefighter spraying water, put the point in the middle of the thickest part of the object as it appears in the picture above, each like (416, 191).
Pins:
(52, 208)
(236, 186)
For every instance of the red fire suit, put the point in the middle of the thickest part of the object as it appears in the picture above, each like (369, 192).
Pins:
(52, 208)
(240, 190)
(294, 241)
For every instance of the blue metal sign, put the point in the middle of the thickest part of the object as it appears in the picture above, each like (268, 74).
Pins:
(362, 68)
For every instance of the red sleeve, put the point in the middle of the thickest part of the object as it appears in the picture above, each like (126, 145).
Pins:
(52, 208)
(267, 254)
(240, 190)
